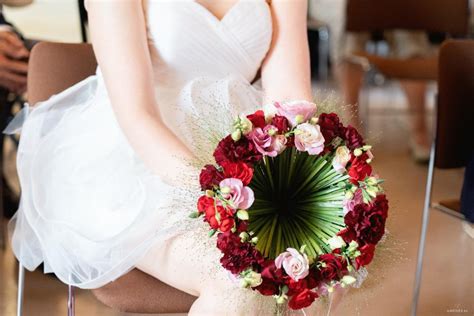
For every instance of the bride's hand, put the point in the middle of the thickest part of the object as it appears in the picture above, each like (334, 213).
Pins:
(120, 43)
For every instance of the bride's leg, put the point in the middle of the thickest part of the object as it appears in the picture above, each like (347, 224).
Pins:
(190, 262)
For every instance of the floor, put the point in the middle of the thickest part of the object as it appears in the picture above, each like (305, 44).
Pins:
(448, 278)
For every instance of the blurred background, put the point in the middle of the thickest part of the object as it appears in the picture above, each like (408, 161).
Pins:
(383, 60)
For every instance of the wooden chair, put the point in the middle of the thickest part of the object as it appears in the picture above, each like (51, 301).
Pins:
(54, 67)
(453, 144)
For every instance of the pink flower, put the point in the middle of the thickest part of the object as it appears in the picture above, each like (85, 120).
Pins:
(304, 110)
(349, 204)
(295, 264)
(309, 138)
(341, 158)
(279, 143)
(239, 196)
(263, 141)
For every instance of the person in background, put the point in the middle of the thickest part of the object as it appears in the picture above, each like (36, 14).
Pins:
(349, 69)
(14, 53)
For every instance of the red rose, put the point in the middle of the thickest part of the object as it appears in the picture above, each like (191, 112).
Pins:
(203, 202)
(359, 169)
(295, 287)
(238, 170)
(366, 222)
(240, 151)
(281, 123)
(226, 224)
(224, 213)
(209, 177)
(331, 126)
(272, 278)
(303, 299)
(257, 119)
(366, 256)
(353, 138)
(333, 267)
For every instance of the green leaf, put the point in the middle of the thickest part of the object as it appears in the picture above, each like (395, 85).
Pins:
(194, 215)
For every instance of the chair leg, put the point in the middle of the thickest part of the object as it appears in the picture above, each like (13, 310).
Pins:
(71, 301)
(21, 288)
(424, 228)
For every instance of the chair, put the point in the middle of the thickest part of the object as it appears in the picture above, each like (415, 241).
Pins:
(453, 143)
(449, 17)
(52, 68)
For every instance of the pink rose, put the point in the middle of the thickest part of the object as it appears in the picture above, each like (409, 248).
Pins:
(263, 141)
(304, 110)
(279, 143)
(295, 264)
(341, 158)
(309, 138)
(239, 196)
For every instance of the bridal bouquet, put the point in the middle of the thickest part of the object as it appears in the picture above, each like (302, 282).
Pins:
(294, 202)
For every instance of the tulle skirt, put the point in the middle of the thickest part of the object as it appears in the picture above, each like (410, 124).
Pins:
(89, 207)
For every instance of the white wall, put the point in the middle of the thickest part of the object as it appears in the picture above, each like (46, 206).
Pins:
(53, 20)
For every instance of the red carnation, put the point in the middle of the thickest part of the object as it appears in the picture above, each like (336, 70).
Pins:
(353, 138)
(366, 256)
(204, 202)
(366, 222)
(331, 126)
(209, 177)
(238, 256)
(333, 267)
(281, 123)
(238, 170)
(225, 221)
(257, 119)
(240, 151)
(303, 299)
(359, 169)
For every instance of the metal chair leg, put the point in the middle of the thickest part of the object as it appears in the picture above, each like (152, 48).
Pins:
(424, 228)
(71, 301)
(21, 288)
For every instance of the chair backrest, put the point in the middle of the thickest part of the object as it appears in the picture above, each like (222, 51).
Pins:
(455, 119)
(48, 61)
(443, 16)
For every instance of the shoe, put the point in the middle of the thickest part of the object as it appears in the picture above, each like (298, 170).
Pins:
(468, 228)
(420, 153)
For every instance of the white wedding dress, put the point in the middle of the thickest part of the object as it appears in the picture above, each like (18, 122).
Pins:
(89, 208)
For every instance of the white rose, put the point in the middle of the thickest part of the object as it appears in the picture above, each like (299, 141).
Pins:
(340, 160)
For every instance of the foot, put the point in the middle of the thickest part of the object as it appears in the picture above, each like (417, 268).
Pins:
(468, 228)
(420, 148)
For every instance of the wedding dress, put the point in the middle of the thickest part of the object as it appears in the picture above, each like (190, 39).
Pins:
(89, 207)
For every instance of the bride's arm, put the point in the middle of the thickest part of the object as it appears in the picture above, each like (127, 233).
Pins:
(286, 73)
(120, 43)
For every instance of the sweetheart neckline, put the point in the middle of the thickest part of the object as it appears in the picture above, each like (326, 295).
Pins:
(218, 20)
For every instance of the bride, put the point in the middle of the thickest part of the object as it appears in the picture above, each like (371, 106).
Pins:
(99, 163)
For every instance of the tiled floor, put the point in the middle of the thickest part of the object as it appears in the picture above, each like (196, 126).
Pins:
(448, 277)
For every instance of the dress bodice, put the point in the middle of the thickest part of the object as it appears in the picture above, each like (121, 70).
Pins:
(188, 41)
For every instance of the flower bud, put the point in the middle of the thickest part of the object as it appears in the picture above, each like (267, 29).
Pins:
(254, 240)
(314, 120)
(245, 125)
(209, 193)
(243, 236)
(336, 242)
(372, 181)
(271, 132)
(358, 152)
(281, 299)
(225, 190)
(299, 119)
(236, 135)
